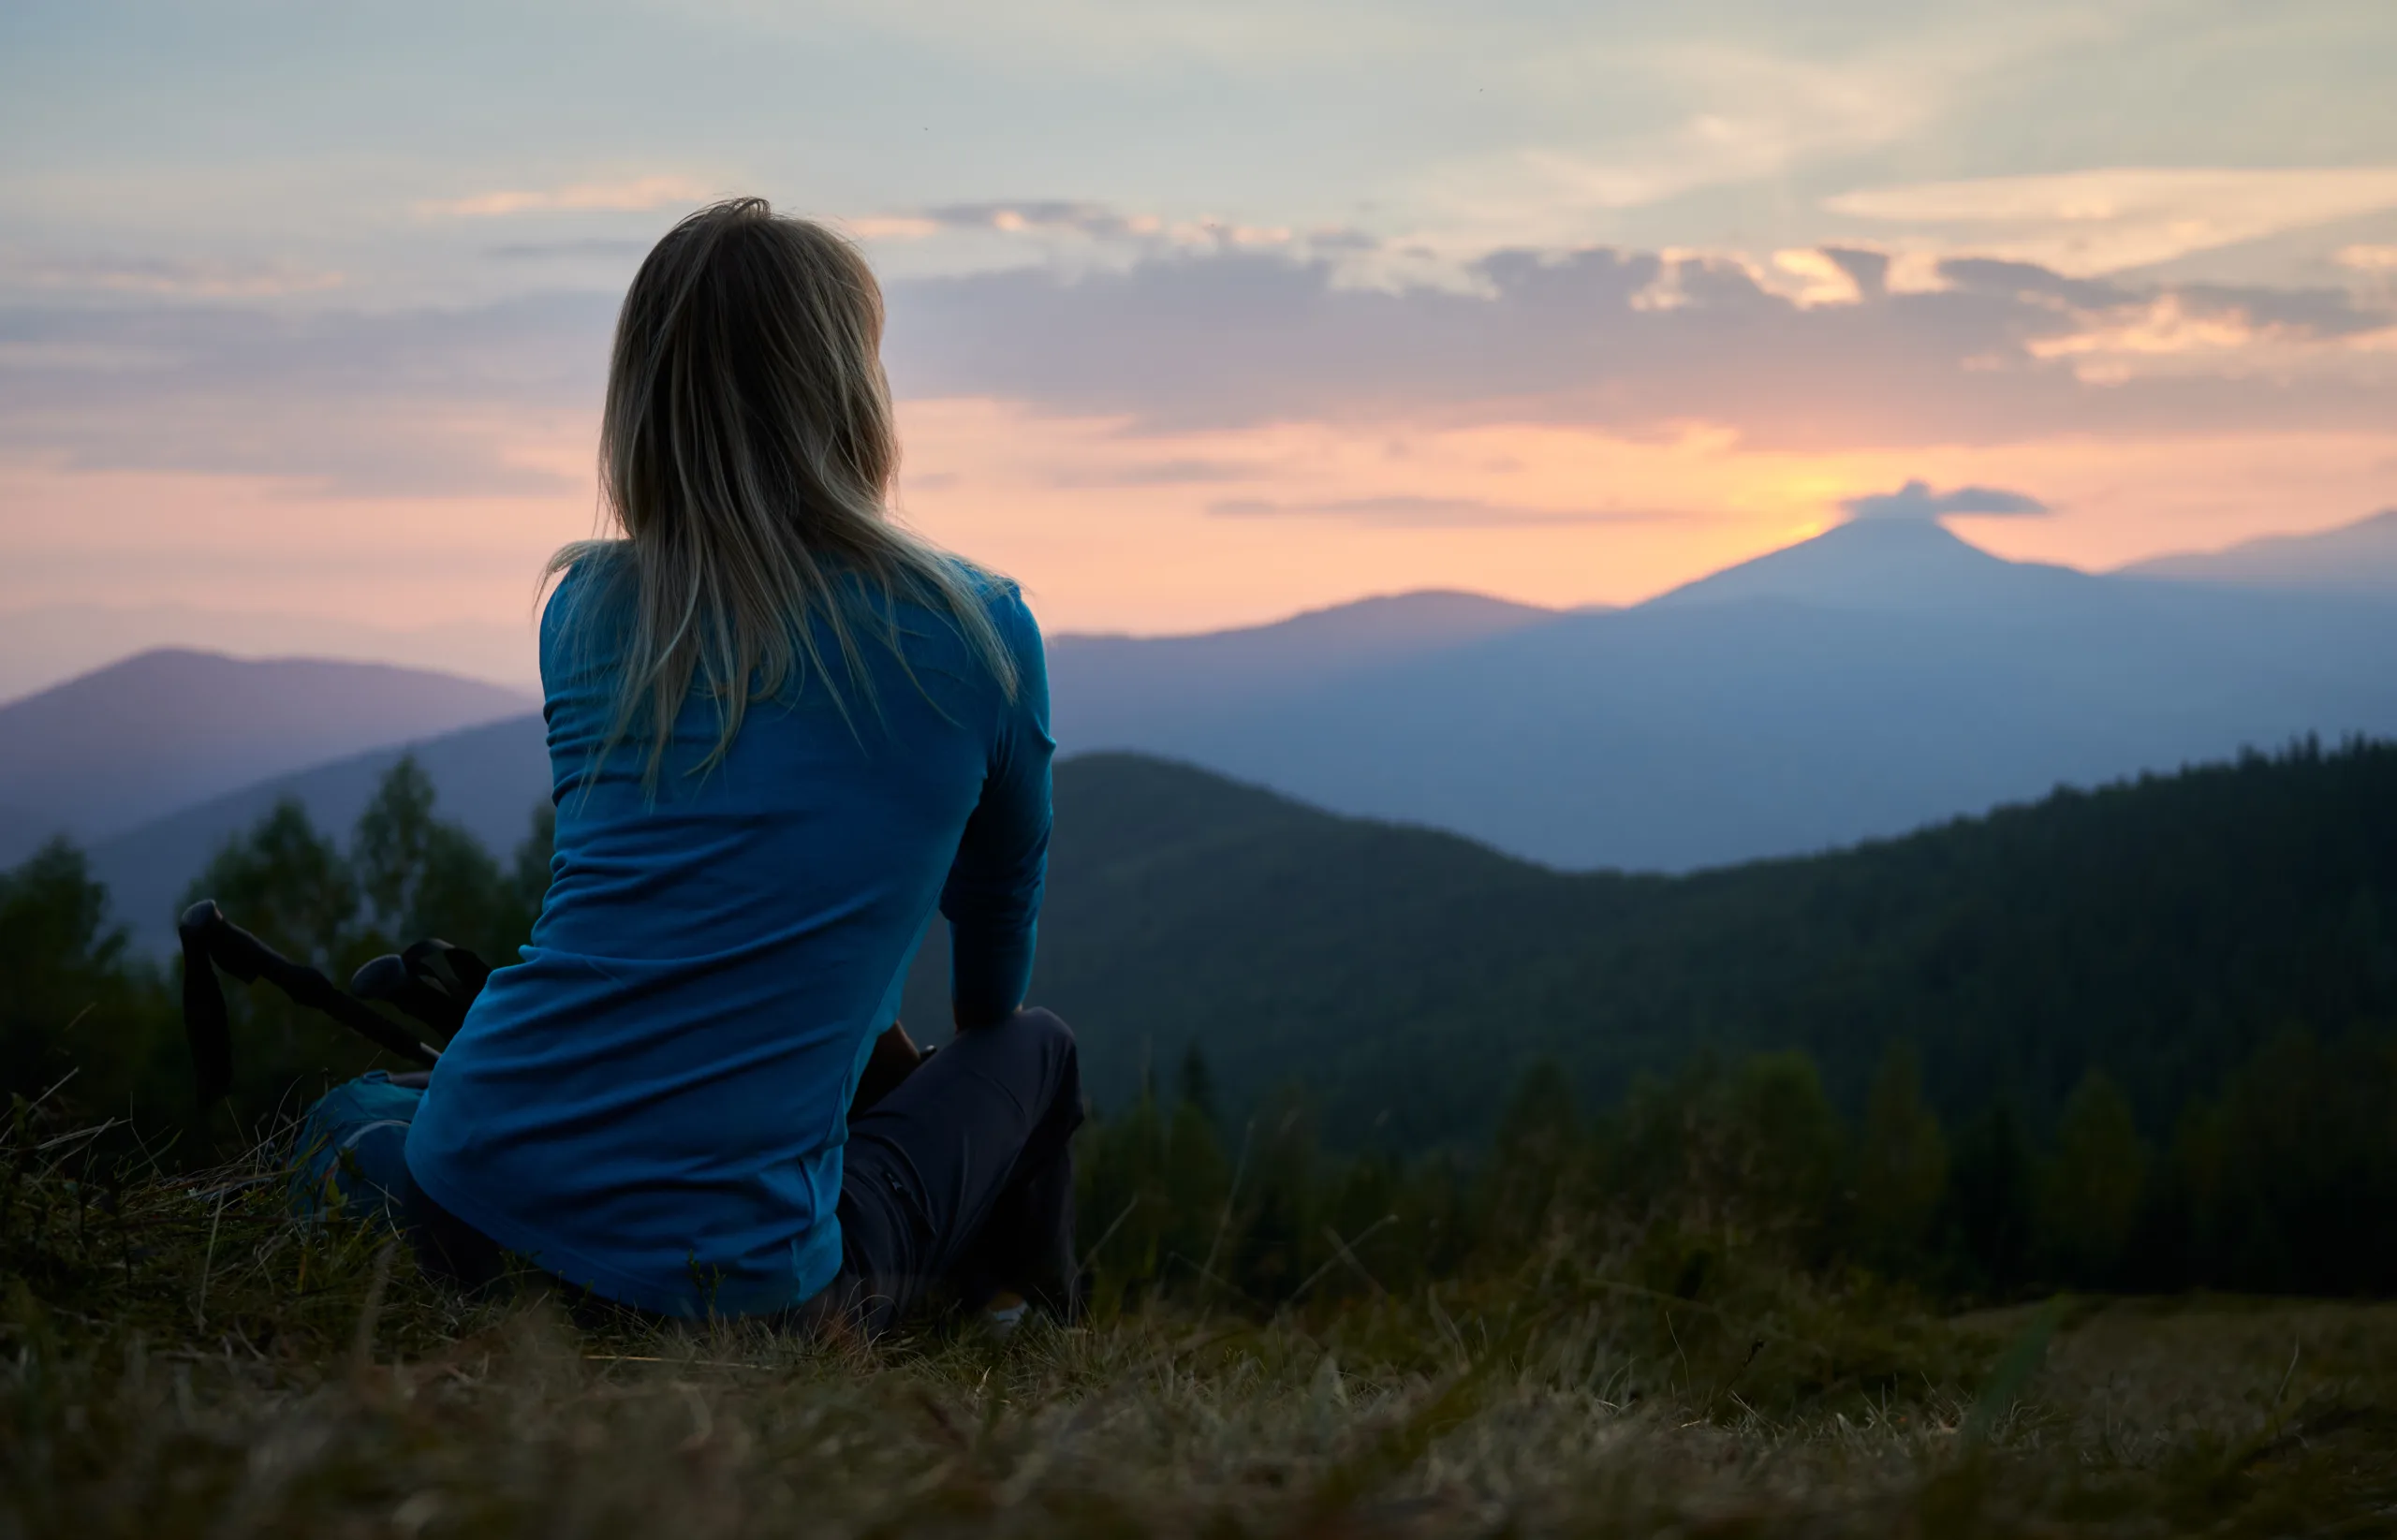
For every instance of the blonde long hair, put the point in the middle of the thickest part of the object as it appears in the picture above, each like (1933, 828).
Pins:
(746, 453)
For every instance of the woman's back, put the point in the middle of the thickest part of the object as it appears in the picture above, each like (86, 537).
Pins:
(652, 1103)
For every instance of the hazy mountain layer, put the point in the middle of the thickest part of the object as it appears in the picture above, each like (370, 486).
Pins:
(165, 729)
(491, 779)
(48, 644)
(1861, 684)
(1104, 687)
(2358, 558)
(1879, 678)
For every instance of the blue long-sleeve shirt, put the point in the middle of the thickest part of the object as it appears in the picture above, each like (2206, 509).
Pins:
(652, 1103)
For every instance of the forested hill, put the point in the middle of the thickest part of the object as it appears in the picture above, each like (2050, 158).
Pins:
(2160, 930)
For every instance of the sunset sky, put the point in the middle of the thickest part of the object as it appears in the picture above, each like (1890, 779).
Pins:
(1204, 313)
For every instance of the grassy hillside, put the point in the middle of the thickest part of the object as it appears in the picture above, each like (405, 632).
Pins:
(2160, 930)
(179, 1358)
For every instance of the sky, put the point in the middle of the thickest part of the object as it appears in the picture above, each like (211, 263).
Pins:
(1201, 313)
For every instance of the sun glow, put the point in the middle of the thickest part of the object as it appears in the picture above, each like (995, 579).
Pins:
(1112, 528)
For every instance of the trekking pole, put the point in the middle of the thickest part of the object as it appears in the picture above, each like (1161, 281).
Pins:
(210, 941)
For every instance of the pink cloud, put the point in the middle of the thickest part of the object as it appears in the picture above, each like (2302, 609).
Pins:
(624, 196)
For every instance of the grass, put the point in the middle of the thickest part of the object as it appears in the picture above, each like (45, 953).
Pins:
(178, 1357)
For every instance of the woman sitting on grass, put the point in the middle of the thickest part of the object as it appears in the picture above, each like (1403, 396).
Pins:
(781, 729)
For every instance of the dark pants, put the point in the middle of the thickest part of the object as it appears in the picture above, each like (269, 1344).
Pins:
(956, 1186)
(960, 1184)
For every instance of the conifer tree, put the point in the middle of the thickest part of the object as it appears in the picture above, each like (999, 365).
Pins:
(1988, 1212)
(2092, 1185)
(1901, 1167)
(1195, 1082)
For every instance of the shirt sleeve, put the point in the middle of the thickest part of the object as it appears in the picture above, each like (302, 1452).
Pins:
(992, 896)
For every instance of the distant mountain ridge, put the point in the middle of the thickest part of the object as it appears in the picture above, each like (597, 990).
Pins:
(1105, 688)
(167, 728)
(1374, 626)
(2358, 558)
(1883, 676)
(43, 645)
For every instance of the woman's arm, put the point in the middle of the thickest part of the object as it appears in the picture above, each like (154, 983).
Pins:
(993, 898)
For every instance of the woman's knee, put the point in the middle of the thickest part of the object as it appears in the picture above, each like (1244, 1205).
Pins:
(1054, 1041)
(1048, 1034)
(1047, 1023)
(1031, 1050)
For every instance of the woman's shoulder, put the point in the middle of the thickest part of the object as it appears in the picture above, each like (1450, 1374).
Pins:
(1002, 599)
(952, 631)
(587, 572)
(999, 597)
(1012, 619)
(996, 591)
(584, 611)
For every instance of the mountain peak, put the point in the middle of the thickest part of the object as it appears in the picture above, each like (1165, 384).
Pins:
(1900, 564)
(1914, 532)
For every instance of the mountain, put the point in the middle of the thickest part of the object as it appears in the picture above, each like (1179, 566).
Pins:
(2358, 558)
(1905, 566)
(43, 645)
(1406, 976)
(162, 729)
(1109, 691)
(490, 778)
(1877, 678)
(2159, 928)
(1882, 677)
